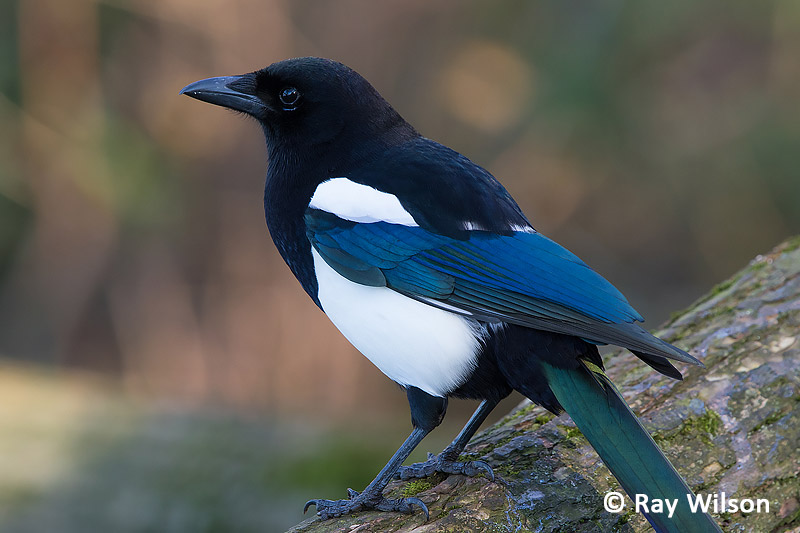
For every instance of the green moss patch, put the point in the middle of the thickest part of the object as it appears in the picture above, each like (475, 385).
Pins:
(704, 426)
(416, 486)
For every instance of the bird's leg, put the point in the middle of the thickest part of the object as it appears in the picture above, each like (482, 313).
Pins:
(446, 462)
(372, 496)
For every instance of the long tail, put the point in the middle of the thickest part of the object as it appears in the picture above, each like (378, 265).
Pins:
(626, 448)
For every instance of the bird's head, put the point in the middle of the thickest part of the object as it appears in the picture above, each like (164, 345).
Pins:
(307, 104)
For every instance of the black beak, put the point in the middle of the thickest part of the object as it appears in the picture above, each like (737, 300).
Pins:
(233, 92)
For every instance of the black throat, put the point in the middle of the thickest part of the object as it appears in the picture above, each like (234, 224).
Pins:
(293, 175)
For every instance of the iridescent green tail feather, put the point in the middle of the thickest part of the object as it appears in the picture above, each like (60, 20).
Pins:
(624, 445)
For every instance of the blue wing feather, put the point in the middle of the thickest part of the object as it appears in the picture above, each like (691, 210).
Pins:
(523, 278)
(566, 286)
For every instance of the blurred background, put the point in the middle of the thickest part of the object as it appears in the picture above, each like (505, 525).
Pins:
(160, 368)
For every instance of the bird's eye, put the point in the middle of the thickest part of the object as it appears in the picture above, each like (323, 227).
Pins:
(289, 97)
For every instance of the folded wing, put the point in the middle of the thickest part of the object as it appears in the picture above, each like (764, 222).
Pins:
(523, 278)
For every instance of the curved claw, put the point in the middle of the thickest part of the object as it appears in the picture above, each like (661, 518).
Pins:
(308, 504)
(486, 468)
(419, 503)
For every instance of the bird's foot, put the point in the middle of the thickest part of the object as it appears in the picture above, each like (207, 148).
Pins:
(363, 502)
(443, 464)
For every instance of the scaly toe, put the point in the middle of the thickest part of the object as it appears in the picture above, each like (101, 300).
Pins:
(473, 468)
(333, 508)
(445, 466)
(403, 505)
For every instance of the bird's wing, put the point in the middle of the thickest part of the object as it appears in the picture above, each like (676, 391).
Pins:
(522, 278)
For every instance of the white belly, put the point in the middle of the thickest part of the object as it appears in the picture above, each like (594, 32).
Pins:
(412, 343)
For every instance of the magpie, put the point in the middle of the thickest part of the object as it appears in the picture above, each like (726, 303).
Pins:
(428, 266)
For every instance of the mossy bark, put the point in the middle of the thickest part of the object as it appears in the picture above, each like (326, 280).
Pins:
(732, 427)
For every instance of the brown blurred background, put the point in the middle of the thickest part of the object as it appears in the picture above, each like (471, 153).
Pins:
(659, 141)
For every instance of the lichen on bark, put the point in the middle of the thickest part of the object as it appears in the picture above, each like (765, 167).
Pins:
(732, 427)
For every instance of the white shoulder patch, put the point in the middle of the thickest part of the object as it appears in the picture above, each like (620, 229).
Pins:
(522, 229)
(474, 226)
(360, 203)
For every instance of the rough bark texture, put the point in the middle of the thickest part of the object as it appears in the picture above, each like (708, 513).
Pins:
(732, 427)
